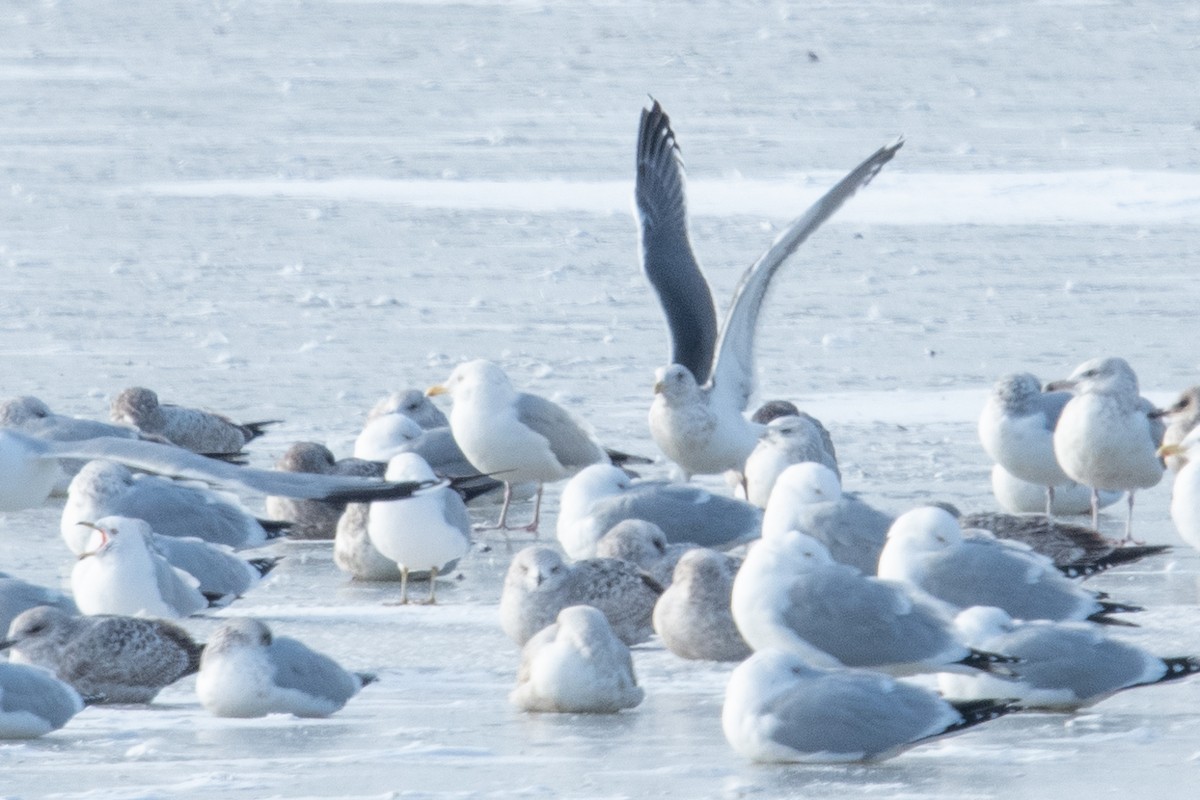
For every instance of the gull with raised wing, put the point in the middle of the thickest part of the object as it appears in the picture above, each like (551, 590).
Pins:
(697, 414)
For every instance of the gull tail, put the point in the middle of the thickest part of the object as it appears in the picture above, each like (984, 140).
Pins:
(253, 430)
(264, 565)
(974, 712)
(1119, 556)
(994, 663)
(1179, 667)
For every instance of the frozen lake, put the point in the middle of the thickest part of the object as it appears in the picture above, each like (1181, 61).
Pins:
(288, 209)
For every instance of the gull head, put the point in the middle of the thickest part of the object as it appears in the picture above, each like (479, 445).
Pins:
(793, 552)
(40, 627)
(471, 376)
(135, 404)
(773, 409)
(20, 410)
(1111, 375)
(115, 533)
(1186, 408)
(703, 568)
(308, 457)
(675, 383)
(1016, 390)
(634, 540)
(928, 528)
(412, 404)
(537, 569)
(238, 633)
(805, 483)
(979, 624)
(409, 467)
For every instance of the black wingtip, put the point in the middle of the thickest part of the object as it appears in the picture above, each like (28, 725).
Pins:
(995, 663)
(974, 712)
(1115, 558)
(366, 678)
(253, 430)
(264, 565)
(1179, 667)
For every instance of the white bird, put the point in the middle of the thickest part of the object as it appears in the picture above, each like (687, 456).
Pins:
(421, 534)
(790, 595)
(1021, 497)
(1185, 492)
(316, 519)
(697, 414)
(515, 436)
(33, 702)
(1106, 437)
(117, 659)
(29, 467)
(386, 435)
(601, 496)
(1017, 431)
(789, 439)
(220, 572)
(121, 573)
(245, 671)
(192, 428)
(927, 548)
(1181, 417)
(808, 498)
(539, 584)
(693, 616)
(577, 666)
(778, 708)
(1064, 665)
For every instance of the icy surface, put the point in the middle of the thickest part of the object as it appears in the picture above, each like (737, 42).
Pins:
(286, 209)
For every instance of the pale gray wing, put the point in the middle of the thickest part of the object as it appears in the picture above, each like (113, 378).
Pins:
(37, 692)
(685, 513)
(177, 591)
(733, 373)
(219, 571)
(853, 531)
(857, 712)
(173, 509)
(454, 510)
(309, 672)
(1077, 658)
(17, 595)
(1158, 428)
(666, 251)
(1050, 405)
(61, 429)
(177, 462)
(570, 443)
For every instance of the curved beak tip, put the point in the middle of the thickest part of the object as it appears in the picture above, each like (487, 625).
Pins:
(434, 391)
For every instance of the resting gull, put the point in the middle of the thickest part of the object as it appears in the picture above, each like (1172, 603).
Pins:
(696, 417)
(192, 428)
(693, 617)
(33, 702)
(17, 595)
(787, 440)
(316, 519)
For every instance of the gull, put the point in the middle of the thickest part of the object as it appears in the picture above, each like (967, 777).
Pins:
(17, 595)
(778, 708)
(28, 468)
(1064, 666)
(385, 435)
(1106, 438)
(539, 584)
(122, 573)
(644, 545)
(927, 548)
(601, 496)
(576, 666)
(421, 534)
(788, 440)
(33, 702)
(790, 594)
(120, 659)
(353, 552)
(191, 428)
(221, 573)
(1185, 492)
(516, 436)
(245, 671)
(1021, 497)
(808, 498)
(1181, 417)
(1017, 430)
(411, 404)
(693, 617)
(696, 417)
(316, 519)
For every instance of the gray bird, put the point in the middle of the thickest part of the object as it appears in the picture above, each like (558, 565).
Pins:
(693, 616)
(17, 595)
(33, 702)
(192, 428)
(644, 545)
(787, 440)
(315, 519)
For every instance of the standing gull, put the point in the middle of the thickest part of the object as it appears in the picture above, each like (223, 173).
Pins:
(696, 417)
(1017, 431)
(602, 495)
(788, 440)
(245, 671)
(1022, 497)
(693, 617)
(315, 519)
(789, 594)
(33, 702)
(539, 584)
(192, 428)
(513, 435)
(1185, 492)
(927, 548)
(1064, 665)
(576, 666)
(778, 708)
(117, 658)
(1106, 438)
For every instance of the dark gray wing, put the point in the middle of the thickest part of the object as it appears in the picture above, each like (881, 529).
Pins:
(570, 443)
(667, 257)
(37, 692)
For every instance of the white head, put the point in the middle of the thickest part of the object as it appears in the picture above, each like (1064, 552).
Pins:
(634, 540)
(117, 534)
(979, 624)
(537, 569)
(789, 552)
(584, 625)
(470, 377)
(383, 436)
(1110, 375)
(805, 483)
(19, 410)
(675, 382)
(409, 467)
(590, 484)
(926, 528)
(411, 403)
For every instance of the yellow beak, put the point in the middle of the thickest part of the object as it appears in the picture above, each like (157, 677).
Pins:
(434, 391)
(1170, 450)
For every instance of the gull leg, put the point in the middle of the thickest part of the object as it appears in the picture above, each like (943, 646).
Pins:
(432, 599)
(1049, 503)
(403, 601)
(1096, 508)
(537, 512)
(1129, 523)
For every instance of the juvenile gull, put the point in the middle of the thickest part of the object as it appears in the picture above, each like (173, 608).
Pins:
(539, 584)
(315, 519)
(644, 545)
(577, 666)
(787, 440)
(116, 658)
(1017, 431)
(247, 672)
(693, 616)
(1181, 417)
(927, 548)
(789, 594)
(602, 495)
(696, 417)
(515, 436)
(1185, 492)
(33, 702)
(1064, 666)
(122, 573)
(778, 708)
(429, 533)
(192, 428)
(808, 498)
(17, 595)
(1106, 438)
(29, 466)
(353, 552)
(1021, 497)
